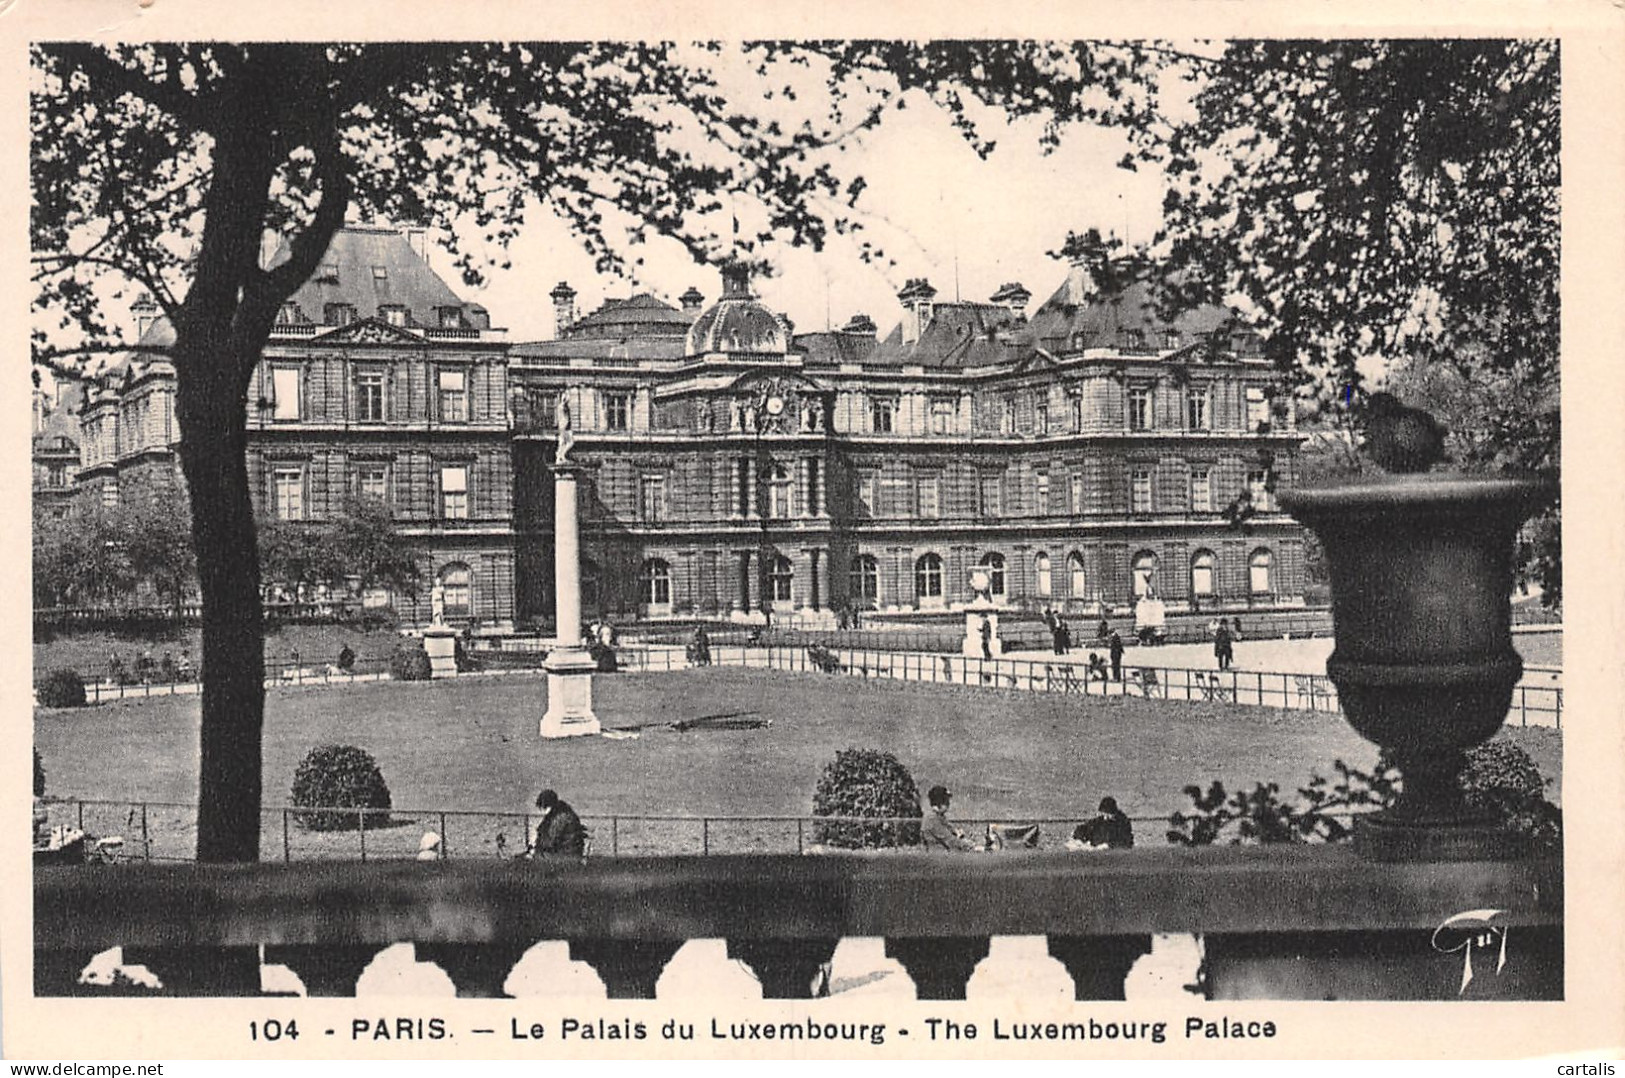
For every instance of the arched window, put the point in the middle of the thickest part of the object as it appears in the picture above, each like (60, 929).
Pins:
(928, 579)
(782, 579)
(994, 564)
(1202, 574)
(657, 583)
(779, 487)
(1041, 574)
(457, 590)
(1258, 574)
(863, 581)
(1145, 575)
(1078, 582)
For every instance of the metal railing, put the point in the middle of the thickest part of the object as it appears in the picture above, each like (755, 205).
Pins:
(166, 831)
(1532, 705)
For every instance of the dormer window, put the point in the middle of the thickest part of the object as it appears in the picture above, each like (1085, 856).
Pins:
(379, 273)
(328, 274)
(393, 314)
(289, 314)
(450, 317)
(338, 314)
(1172, 339)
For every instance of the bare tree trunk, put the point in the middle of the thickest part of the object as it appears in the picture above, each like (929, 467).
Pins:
(213, 443)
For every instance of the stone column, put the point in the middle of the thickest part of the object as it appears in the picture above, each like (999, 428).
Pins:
(569, 666)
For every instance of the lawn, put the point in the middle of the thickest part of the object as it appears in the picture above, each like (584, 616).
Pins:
(472, 744)
(317, 645)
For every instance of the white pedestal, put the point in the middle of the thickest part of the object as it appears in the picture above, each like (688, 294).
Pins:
(569, 694)
(971, 647)
(440, 644)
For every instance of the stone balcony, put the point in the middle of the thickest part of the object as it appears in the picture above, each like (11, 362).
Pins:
(1277, 922)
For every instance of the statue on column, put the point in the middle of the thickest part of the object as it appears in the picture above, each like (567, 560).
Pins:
(567, 436)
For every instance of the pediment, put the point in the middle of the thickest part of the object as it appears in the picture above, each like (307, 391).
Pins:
(370, 331)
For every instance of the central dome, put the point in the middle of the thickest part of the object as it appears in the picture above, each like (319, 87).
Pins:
(737, 324)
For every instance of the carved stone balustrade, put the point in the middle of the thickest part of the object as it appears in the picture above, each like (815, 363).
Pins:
(1280, 922)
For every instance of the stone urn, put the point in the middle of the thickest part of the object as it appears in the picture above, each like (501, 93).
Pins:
(1421, 577)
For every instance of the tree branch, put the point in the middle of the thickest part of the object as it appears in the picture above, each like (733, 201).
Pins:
(307, 248)
(98, 63)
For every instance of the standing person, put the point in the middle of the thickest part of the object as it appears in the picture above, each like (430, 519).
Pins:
(987, 637)
(346, 661)
(937, 833)
(702, 646)
(1103, 630)
(560, 833)
(1063, 636)
(1235, 624)
(1116, 644)
(1222, 650)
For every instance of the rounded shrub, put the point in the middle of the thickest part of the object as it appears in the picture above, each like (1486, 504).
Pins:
(339, 777)
(39, 775)
(866, 782)
(1502, 780)
(409, 662)
(62, 688)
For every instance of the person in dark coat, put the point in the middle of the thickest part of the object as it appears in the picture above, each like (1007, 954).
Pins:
(1109, 828)
(1063, 636)
(1222, 648)
(346, 661)
(936, 833)
(987, 637)
(1116, 643)
(560, 833)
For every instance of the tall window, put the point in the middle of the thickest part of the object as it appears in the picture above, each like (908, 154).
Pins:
(289, 483)
(1201, 491)
(618, 411)
(883, 413)
(1139, 408)
(782, 579)
(1041, 496)
(1197, 416)
(1140, 490)
(928, 578)
(1258, 572)
(1258, 411)
(110, 495)
(652, 497)
(863, 581)
(994, 564)
(285, 394)
(453, 397)
(1041, 574)
(942, 415)
(457, 590)
(1258, 487)
(454, 492)
(991, 482)
(657, 584)
(1007, 418)
(1202, 574)
(779, 490)
(1075, 404)
(1077, 580)
(1041, 416)
(868, 491)
(1077, 492)
(369, 396)
(1145, 575)
(815, 487)
(928, 496)
(372, 481)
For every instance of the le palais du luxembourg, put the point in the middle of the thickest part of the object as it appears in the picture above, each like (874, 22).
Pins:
(1083, 449)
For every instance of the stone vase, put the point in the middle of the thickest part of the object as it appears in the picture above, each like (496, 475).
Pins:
(1421, 579)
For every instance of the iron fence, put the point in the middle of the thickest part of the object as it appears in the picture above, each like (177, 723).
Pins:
(166, 832)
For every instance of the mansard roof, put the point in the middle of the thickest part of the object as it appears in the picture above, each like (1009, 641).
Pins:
(960, 335)
(371, 268)
(642, 314)
(1081, 315)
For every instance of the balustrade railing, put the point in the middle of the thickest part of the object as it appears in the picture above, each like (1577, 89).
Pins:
(1276, 922)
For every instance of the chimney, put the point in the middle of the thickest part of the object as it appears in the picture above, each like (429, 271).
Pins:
(564, 308)
(1014, 297)
(1086, 255)
(860, 323)
(916, 300)
(146, 313)
(417, 239)
(691, 300)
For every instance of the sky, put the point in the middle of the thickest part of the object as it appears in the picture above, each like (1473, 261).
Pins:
(937, 209)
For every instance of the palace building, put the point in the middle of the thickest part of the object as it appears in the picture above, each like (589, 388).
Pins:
(1085, 452)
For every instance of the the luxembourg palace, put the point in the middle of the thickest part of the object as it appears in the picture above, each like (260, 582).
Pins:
(1085, 451)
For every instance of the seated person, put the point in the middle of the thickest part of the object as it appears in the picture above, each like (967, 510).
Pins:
(1097, 667)
(1108, 829)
